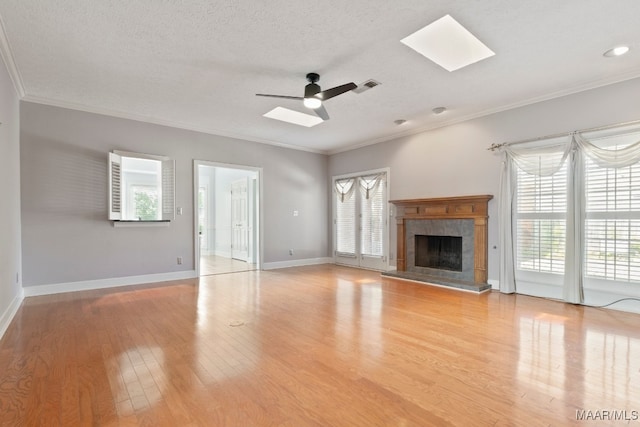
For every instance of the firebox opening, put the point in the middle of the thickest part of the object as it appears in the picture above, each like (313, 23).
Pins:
(442, 252)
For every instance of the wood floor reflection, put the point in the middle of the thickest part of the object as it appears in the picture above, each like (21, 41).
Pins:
(212, 264)
(314, 346)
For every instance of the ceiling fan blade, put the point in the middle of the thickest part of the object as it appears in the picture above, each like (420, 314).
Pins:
(321, 112)
(280, 96)
(335, 91)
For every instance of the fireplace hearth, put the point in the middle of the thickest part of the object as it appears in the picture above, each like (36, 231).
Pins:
(443, 241)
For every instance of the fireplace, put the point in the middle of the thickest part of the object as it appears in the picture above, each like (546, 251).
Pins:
(442, 252)
(443, 241)
(463, 230)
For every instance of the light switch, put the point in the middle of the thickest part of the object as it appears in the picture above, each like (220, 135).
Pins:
(179, 211)
(295, 213)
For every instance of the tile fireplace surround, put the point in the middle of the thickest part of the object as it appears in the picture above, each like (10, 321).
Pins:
(464, 217)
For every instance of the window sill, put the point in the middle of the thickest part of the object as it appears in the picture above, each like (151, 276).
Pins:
(124, 224)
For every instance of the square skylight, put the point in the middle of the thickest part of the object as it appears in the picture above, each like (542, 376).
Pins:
(295, 117)
(448, 44)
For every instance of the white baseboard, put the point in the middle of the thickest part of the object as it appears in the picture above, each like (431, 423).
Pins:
(57, 288)
(10, 312)
(296, 263)
(495, 284)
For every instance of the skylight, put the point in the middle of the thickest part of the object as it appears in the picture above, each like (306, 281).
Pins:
(295, 117)
(448, 44)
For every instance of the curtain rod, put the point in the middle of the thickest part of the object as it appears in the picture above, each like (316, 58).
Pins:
(496, 146)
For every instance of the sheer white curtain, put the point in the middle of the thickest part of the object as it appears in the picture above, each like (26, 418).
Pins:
(545, 158)
(505, 233)
(537, 160)
(572, 290)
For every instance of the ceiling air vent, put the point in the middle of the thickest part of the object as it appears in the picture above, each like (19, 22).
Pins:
(369, 84)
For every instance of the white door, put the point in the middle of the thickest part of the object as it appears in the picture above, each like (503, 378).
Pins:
(361, 221)
(240, 220)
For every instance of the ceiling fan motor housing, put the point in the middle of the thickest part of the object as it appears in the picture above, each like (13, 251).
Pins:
(311, 90)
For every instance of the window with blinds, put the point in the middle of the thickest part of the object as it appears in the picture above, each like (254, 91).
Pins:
(612, 224)
(346, 224)
(360, 221)
(541, 221)
(372, 221)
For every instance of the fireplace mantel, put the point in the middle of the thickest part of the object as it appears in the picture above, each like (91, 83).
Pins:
(464, 207)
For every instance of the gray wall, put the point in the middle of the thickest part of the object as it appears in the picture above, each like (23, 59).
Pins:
(66, 236)
(454, 160)
(10, 263)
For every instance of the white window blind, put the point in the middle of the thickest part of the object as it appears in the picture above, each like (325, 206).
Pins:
(346, 219)
(612, 221)
(373, 215)
(168, 189)
(541, 221)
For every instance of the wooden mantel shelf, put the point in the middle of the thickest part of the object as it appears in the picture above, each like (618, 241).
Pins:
(443, 207)
(461, 207)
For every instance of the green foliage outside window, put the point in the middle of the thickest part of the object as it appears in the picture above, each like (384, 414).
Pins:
(146, 205)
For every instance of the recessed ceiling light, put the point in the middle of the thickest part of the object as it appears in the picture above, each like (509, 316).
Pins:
(295, 117)
(448, 44)
(439, 110)
(616, 51)
(400, 122)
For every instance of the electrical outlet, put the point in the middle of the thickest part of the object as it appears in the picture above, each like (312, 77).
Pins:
(179, 260)
(290, 251)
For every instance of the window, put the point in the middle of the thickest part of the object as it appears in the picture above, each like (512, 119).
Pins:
(346, 218)
(612, 221)
(540, 221)
(610, 248)
(373, 216)
(360, 223)
(141, 187)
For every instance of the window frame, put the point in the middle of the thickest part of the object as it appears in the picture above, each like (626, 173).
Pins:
(359, 259)
(117, 194)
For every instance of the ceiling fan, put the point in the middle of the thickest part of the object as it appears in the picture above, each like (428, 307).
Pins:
(313, 95)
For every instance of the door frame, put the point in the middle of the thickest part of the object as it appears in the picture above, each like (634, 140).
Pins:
(258, 209)
(334, 230)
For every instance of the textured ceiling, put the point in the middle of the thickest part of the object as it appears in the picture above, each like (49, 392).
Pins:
(199, 64)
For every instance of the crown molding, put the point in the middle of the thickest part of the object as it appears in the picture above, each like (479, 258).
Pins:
(7, 56)
(547, 97)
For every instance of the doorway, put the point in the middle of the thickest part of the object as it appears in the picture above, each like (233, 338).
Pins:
(227, 217)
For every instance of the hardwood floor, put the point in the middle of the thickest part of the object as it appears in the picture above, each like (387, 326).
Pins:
(315, 346)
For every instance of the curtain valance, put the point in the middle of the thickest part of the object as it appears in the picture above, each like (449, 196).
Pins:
(369, 185)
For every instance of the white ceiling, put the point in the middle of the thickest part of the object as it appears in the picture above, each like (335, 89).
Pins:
(198, 64)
